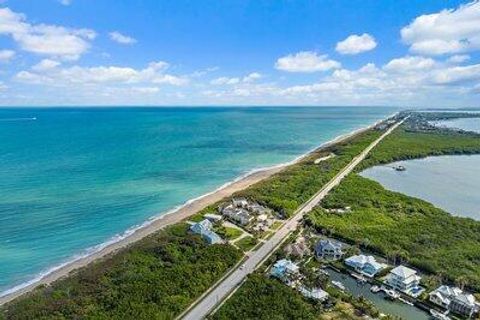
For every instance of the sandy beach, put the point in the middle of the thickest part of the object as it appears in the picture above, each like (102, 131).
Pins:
(172, 217)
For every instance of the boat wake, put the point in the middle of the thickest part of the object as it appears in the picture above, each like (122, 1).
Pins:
(18, 119)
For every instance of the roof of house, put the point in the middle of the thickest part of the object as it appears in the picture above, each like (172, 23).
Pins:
(327, 244)
(362, 260)
(315, 293)
(202, 226)
(212, 216)
(403, 272)
(285, 265)
(212, 237)
(465, 298)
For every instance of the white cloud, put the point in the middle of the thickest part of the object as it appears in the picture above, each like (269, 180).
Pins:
(224, 81)
(458, 58)
(43, 39)
(355, 44)
(146, 90)
(306, 61)
(448, 31)
(121, 38)
(457, 75)
(45, 64)
(407, 64)
(48, 73)
(6, 55)
(252, 77)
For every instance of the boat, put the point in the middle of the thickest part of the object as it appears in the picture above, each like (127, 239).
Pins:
(375, 289)
(391, 294)
(338, 284)
(360, 279)
(399, 168)
(405, 301)
(438, 315)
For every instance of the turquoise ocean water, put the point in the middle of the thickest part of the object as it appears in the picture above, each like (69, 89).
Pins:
(74, 179)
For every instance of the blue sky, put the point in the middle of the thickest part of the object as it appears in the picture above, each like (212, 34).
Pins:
(78, 52)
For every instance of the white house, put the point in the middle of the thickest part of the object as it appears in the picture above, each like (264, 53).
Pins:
(366, 265)
(405, 280)
(285, 270)
(455, 300)
(315, 293)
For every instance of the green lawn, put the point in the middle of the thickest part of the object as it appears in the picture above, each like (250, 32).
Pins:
(228, 233)
(246, 243)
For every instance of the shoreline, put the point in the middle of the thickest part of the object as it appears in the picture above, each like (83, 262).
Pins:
(164, 219)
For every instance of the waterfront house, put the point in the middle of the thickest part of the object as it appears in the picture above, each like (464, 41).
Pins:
(285, 270)
(204, 229)
(328, 249)
(238, 215)
(366, 265)
(315, 293)
(455, 300)
(405, 280)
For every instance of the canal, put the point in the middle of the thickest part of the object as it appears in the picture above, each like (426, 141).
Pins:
(394, 308)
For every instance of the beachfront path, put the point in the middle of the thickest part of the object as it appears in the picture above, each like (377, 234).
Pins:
(228, 285)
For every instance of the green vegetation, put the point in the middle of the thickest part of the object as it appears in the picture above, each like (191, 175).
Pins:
(403, 144)
(403, 228)
(159, 276)
(276, 225)
(156, 278)
(246, 243)
(228, 233)
(287, 190)
(263, 298)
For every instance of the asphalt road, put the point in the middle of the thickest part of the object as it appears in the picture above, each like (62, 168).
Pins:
(231, 282)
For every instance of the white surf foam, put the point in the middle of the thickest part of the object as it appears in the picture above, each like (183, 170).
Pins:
(119, 237)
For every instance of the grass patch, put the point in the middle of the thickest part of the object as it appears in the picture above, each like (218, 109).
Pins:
(228, 233)
(276, 225)
(197, 217)
(246, 243)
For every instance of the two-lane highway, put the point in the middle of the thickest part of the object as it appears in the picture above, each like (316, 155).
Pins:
(232, 281)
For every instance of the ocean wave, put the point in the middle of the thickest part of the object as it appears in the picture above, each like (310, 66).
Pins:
(130, 231)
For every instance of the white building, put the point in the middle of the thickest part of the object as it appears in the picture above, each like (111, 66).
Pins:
(366, 265)
(405, 280)
(315, 293)
(455, 300)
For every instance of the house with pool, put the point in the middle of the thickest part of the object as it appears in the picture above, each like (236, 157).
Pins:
(405, 280)
(366, 265)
